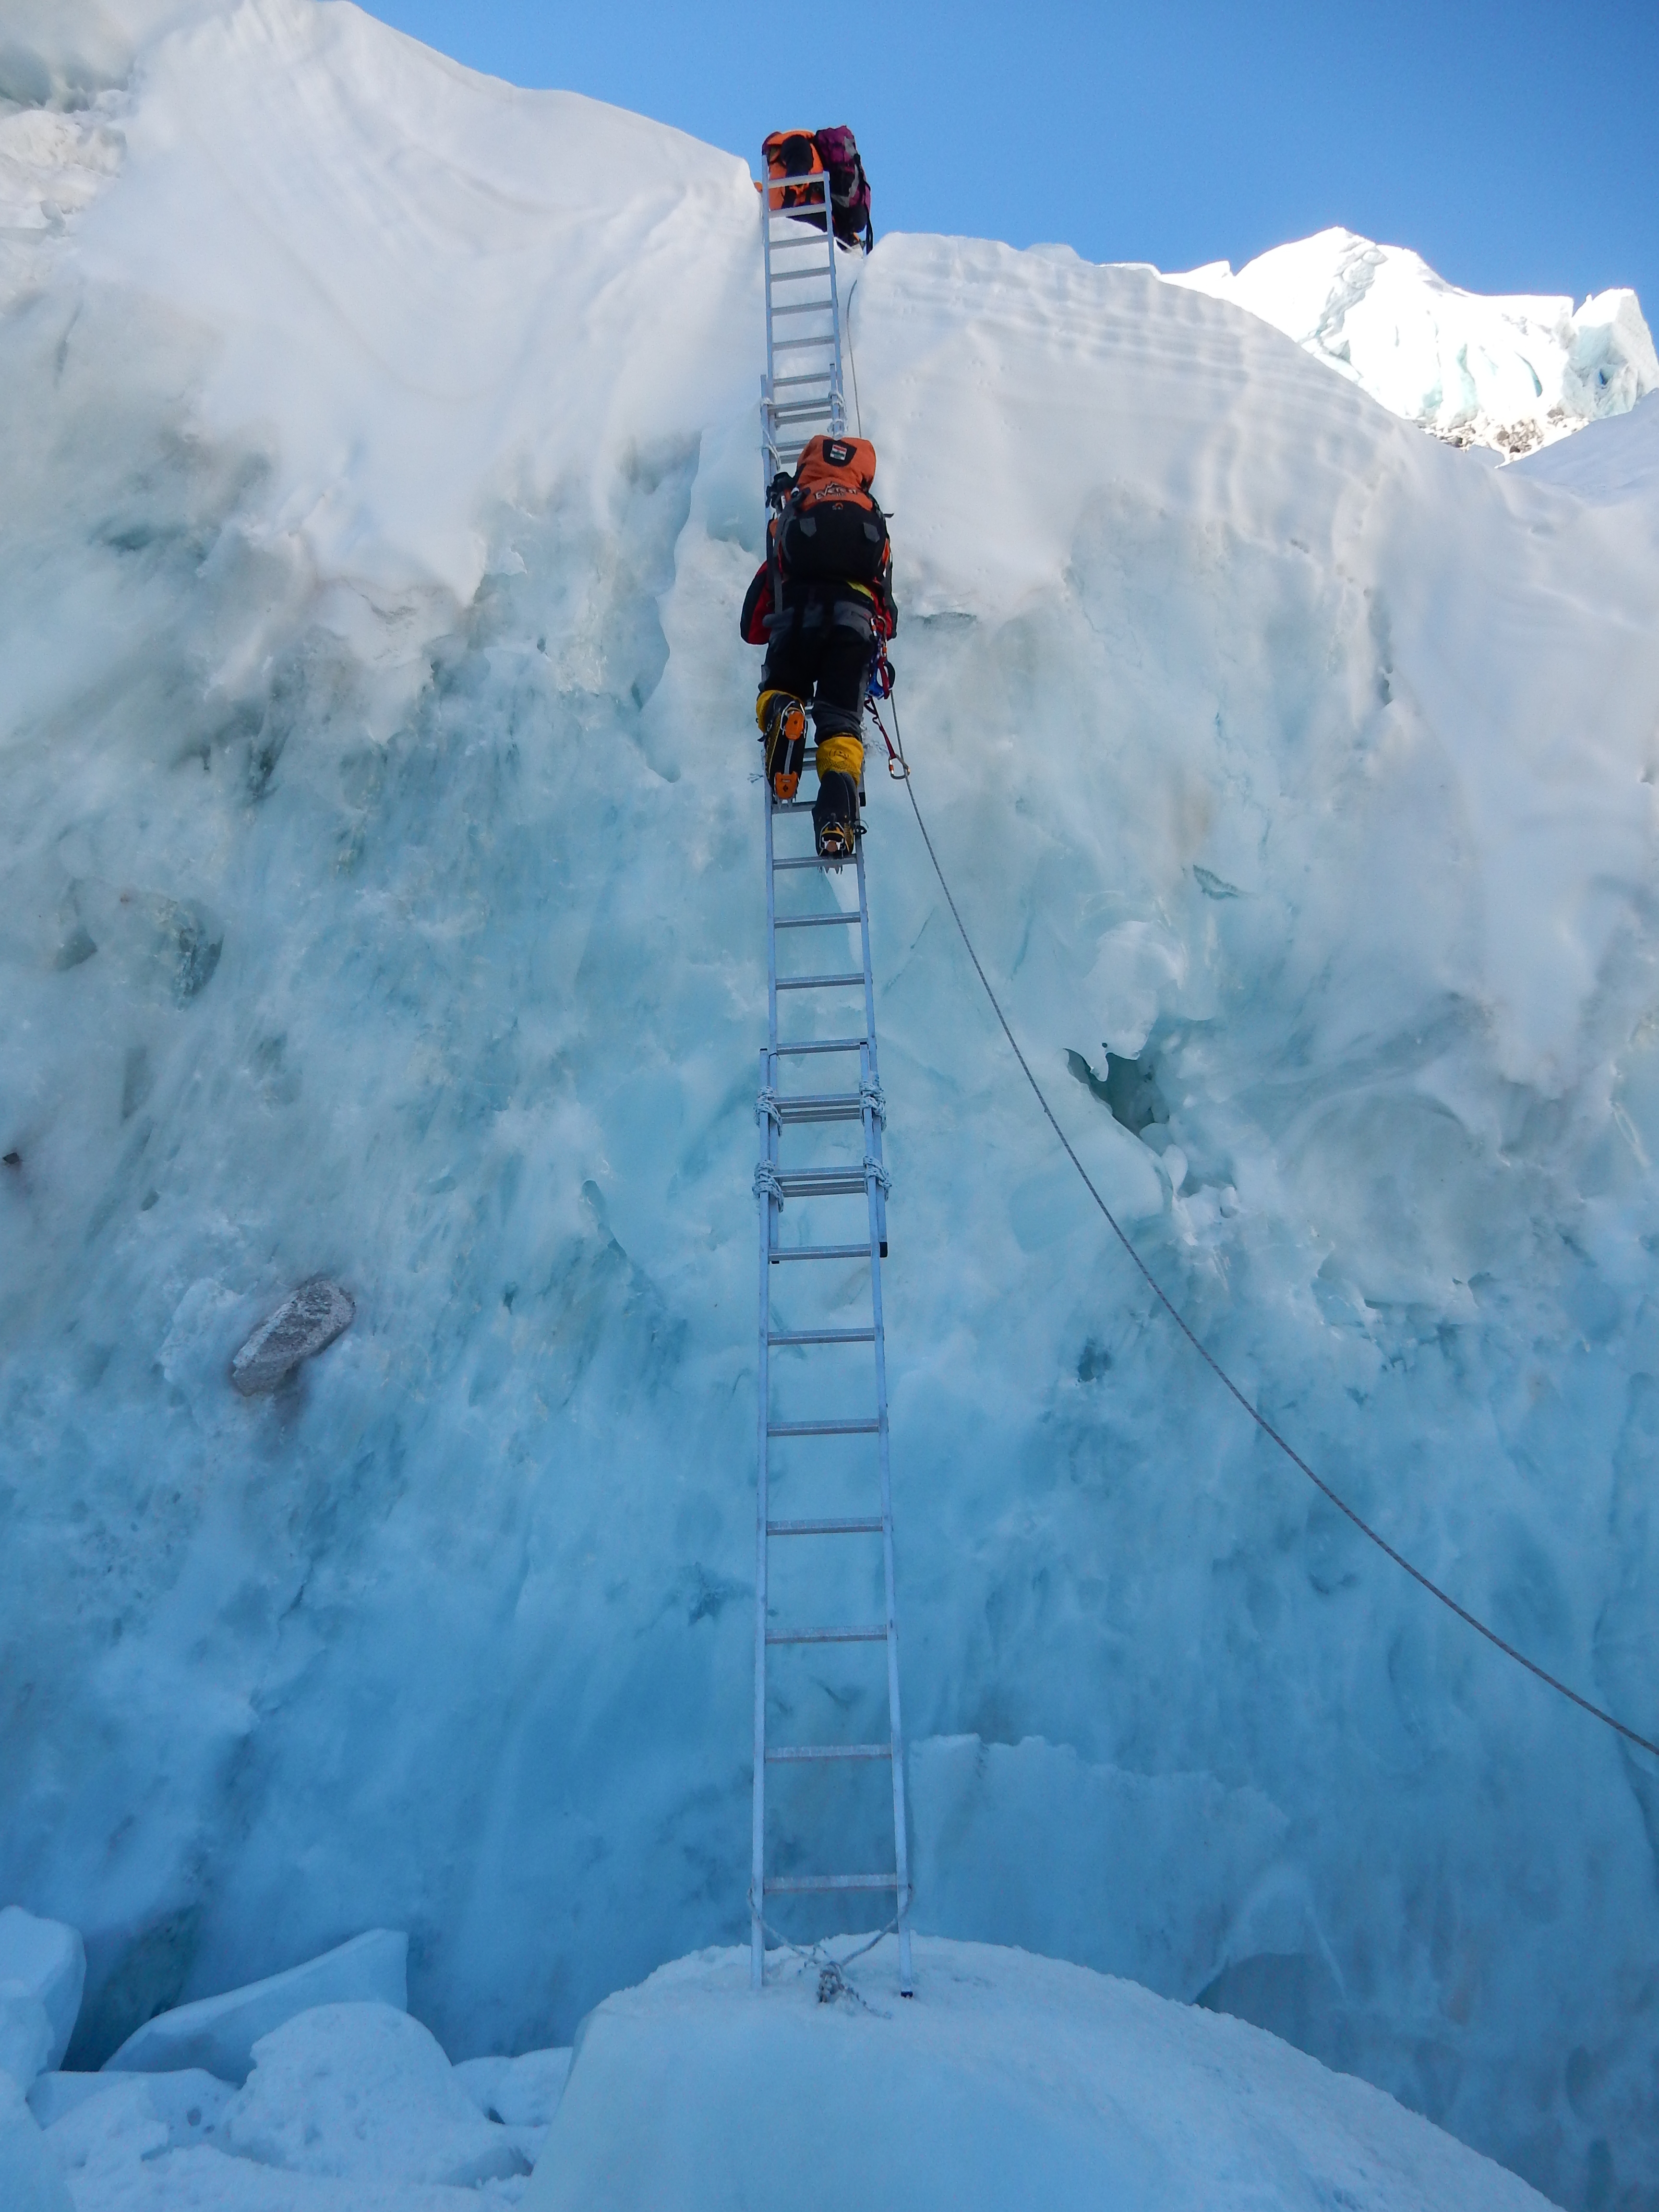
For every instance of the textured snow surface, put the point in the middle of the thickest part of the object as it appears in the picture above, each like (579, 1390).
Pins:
(1509, 373)
(362, 2091)
(382, 900)
(30, 2180)
(1006, 2080)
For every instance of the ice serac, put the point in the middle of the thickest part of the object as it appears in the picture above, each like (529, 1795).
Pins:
(1008, 2079)
(380, 486)
(218, 2033)
(50, 1959)
(1509, 373)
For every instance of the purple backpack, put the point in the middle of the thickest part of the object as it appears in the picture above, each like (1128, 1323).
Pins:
(849, 188)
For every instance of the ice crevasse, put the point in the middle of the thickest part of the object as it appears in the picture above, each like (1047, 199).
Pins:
(382, 901)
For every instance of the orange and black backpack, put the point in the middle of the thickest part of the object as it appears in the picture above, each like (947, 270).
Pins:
(788, 154)
(829, 527)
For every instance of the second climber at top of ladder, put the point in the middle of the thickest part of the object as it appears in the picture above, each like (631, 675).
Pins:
(822, 604)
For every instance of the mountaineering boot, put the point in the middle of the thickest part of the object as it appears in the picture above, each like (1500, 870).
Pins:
(783, 720)
(835, 814)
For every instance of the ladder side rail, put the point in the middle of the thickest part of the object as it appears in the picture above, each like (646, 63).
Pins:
(872, 1121)
(768, 429)
(757, 1838)
(771, 917)
(900, 1840)
(837, 404)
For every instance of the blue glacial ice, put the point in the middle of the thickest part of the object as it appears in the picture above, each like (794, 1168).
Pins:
(382, 902)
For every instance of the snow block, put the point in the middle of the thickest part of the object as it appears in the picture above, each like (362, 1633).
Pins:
(364, 2092)
(29, 2178)
(25, 2034)
(107, 2139)
(48, 1957)
(520, 2093)
(53, 2097)
(188, 2104)
(306, 1322)
(1008, 2079)
(218, 2033)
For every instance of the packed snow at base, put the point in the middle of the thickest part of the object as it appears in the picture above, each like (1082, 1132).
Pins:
(382, 907)
(1005, 2079)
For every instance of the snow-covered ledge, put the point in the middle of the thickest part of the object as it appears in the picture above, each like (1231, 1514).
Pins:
(1008, 2081)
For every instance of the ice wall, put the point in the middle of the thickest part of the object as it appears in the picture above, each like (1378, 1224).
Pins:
(382, 900)
(1509, 373)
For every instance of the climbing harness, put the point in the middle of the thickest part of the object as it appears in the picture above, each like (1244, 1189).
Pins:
(1214, 1366)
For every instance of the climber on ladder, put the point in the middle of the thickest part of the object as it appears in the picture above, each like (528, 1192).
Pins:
(822, 604)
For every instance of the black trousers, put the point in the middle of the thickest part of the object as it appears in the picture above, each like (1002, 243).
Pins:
(822, 640)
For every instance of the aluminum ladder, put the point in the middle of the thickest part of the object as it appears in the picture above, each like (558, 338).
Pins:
(858, 1109)
(801, 390)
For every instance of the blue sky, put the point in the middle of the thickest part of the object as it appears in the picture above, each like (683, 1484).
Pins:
(1516, 147)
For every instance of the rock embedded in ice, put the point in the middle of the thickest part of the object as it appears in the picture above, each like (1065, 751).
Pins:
(29, 2178)
(365, 2093)
(306, 1322)
(25, 2034)
(48, 1957)
(218, 2033)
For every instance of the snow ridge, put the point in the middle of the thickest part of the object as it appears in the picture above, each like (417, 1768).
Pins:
(1512, 374)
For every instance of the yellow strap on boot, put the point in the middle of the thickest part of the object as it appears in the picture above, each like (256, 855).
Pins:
(841, 754)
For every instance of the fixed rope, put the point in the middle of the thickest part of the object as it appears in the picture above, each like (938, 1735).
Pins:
(1553, 1682)
(899, 769)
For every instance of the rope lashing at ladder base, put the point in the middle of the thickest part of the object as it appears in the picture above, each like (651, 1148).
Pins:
(899, 768)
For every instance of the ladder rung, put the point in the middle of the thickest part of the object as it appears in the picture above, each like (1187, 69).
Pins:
(816, 920)
(822, 1182)
(848, 1106)
(796, 345)
(800, 275)
(813, 861)
(793, 1751)
(821, 1336)
(816, 377)
(824, 1527)
(795, 1884)
(826, 1636)
(792, 806)
(803, 307)
(821, 982)
(820, 1252)
(820, 1044)
(794, 410)
(823, 1429)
